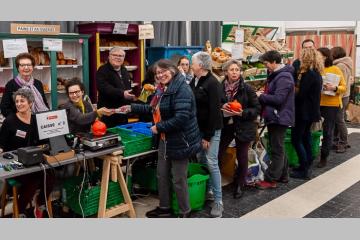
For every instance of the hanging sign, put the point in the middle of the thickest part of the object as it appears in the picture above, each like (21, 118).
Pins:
(52, 44)
(146, 31)
(13, 47)
(120, 28)
(37, 29)
(239, 35)
(237, 51)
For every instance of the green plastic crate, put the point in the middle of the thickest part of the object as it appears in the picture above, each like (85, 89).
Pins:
(197, 179)
(90, 197)
(290, 150)
(133, 142)
(146, 177)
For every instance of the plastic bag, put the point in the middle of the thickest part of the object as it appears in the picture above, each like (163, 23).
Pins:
(255, 172)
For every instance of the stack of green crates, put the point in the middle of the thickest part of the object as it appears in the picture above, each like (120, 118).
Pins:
(197, 179)
(290, 150)
(89, 197)
(133, 142)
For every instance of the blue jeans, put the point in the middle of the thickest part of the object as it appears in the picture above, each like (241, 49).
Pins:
(210, 158)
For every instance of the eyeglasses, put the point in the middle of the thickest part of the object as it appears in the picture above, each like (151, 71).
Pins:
(117, 56)
(159, 73)
(25, 65)
(75, 93)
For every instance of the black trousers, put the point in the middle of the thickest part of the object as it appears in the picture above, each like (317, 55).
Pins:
(279, 166)
(329, 115)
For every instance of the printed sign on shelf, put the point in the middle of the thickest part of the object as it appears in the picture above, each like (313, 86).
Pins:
(12, 47)
(146, 31)
(120, 28)
(52, 44)
(52, 124)
(36, 29)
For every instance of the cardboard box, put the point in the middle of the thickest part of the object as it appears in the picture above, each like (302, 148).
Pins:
(59, 157)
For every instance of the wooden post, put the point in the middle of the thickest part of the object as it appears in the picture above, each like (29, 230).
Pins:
(112, 163)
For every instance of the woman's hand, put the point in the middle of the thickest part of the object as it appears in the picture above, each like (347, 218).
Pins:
(329, 87)
(258, 93)
(154, 129)
(105, 111)
(123, 109)
(205, 144)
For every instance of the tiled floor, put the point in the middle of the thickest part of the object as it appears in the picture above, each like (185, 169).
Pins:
(345, 204)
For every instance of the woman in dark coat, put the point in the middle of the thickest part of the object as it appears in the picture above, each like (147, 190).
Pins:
(307, 108)
(239, 125)
(25, 64)
(80, 113)
(174, 112)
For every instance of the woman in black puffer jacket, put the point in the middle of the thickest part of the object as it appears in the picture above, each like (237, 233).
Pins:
(241, 125)
(174, 112)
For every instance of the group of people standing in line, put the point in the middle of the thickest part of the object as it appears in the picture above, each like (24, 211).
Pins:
(187, 110)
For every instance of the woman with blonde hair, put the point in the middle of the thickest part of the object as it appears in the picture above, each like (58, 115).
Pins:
(307, 108)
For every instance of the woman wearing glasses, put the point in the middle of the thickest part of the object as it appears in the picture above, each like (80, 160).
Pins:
(79, 112)
(174, 112)
(184, 68)
(25, 64)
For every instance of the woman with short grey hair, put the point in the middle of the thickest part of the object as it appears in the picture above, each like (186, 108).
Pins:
(225, 67)
(19, 130)
(207, 91)
(25, 93)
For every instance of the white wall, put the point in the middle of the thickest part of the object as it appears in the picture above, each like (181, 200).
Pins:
(289, 25)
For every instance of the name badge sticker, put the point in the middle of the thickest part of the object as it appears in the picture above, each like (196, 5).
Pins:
(20, 133)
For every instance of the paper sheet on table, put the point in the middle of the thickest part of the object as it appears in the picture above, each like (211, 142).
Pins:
(333, 79)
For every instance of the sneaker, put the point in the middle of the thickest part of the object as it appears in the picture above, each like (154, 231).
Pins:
(340, 148)
(22, 215)
(217, 210)
(265, 185)
(159, 213)
(210, 196)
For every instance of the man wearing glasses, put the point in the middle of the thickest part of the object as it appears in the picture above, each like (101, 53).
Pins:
(114, 87)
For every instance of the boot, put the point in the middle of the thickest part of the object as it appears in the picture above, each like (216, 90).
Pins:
(322, 163)
(238, 190)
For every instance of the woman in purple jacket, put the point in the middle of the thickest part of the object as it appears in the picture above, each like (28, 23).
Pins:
(279, 113)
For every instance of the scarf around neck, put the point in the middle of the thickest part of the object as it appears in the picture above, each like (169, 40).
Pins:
(160, 89)
(231, 89)
(39, 105)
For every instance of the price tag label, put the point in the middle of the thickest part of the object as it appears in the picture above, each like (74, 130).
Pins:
(51, 44)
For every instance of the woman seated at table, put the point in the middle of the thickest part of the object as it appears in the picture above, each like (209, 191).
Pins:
(19, 130)
(80, 113)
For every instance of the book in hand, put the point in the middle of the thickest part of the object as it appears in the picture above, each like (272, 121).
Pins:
(333, 79)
